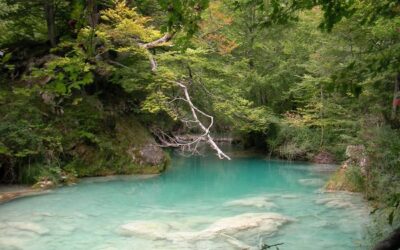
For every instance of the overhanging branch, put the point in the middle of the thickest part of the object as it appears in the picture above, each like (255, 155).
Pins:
(166, 38)
(206, 129)
(176, 142)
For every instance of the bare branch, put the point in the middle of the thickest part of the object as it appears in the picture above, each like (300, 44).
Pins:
(205, 129)
(174, 141)
(153, 62)
(118, 64)
(167, 37)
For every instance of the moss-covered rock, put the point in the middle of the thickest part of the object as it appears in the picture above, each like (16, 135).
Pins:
(127, 149)
(347, 179)
(352, 173)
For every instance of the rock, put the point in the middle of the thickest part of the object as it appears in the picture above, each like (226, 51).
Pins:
(354, 152)
(290, 196)
(149, 229)
(335, 203)
(45, 184)
(357, 160)
(357, 155)
(311, 182)
(152, 154)
(8, 196)
(324, 157)
(148, 155)
(10, 243)
(15, 227)
(237, 243)
(266, 223)
(259, 202)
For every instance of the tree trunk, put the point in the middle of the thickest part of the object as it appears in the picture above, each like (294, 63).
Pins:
(50, 14)
(93, 14)
(396, 96)
(93, 20)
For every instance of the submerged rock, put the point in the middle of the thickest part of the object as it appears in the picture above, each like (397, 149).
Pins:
(311, 182)
(150, 229)
(259, 202)
(290, 196)
(10, 243)
(335, 202)
(266, 223)
(17, 228)
(29, 227)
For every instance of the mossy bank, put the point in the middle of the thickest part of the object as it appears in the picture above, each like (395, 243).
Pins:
(85, 137)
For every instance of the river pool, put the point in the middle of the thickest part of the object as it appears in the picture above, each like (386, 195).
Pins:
(199, 203)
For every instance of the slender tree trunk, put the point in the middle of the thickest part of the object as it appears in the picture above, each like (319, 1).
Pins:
(396, 96)
(93, 14)
(93, 19)
(50, 14)
(322, 116)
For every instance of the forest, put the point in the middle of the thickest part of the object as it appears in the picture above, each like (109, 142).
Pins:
(108, 87)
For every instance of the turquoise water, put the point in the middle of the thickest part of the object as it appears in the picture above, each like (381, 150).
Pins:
(199, 203)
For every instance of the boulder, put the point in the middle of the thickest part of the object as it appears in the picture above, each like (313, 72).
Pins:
(357, 155)
(44, 185)
(324, 157)
(357, 159)
(152, 154)
(355, 152)
(266, 222)
(148, 155)
(253, 223)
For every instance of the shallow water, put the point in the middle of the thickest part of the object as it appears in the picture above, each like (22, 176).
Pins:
(199, 203)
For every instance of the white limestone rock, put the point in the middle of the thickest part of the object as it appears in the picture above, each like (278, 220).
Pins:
(149, 229)
(266, 223)
(258, 202)
(335, 203)
(11, 243)
(24, 227)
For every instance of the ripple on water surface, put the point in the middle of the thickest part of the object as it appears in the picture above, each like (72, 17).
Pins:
(200, 203)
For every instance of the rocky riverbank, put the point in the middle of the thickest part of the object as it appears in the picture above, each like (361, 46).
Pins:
(8, 193)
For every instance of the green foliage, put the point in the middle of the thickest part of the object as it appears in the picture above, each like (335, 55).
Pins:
(183, 13)
(65, 74)
(26, 138)
(355, 178)
(265, 70)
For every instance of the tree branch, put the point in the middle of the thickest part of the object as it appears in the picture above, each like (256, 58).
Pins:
(205, 129)
(174, 141)
(167, 37)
